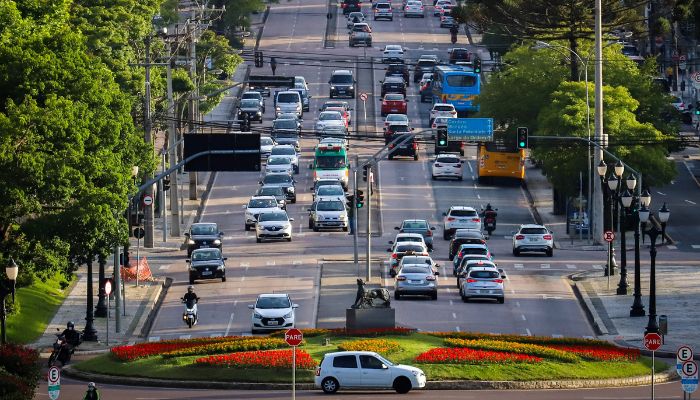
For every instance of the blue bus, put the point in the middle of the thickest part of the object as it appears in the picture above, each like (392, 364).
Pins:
(456, 85)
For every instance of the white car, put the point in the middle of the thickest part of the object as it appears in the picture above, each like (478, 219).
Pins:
(414, 9)
(279, 165)
(300, 83)
(257, 205)
(447, 165)
(365, 369)
(395, 119)
(392, 53)
(329, 192)
(483, 283)
(440, 122)
(442, 109)
(272, 311)
(678, 103)
(351, 18)
(266, 145)
(273, 225)
(440, 5)
(330, 214)
(459, 217)
(289, 151)
(329, 119)
(531, 237)
(338, 141)
(406, 237)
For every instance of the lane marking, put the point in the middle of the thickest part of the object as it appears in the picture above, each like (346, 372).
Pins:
(523, 317)
(695, 246)
(518, 266)
(454, 315)
(672, 247)
(271, 262)
(517, 304)
(164, 267)
(545, 266)
(245, 264)
(570, 266)
(185, 337)
(589, 337)
(213, 335)
(452, 303)
(557, 336)
(296, 262)
(663, 194)
(228, 327)
(528, 332)
(690, 202)
(242, 279)
(154, 338)
(600, 267)
(457, 328)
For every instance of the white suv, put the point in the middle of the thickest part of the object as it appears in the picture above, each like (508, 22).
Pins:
(532, 237)
(365, 369)
(447, 165)
(442, 109)
(272, 311)
(460, 217)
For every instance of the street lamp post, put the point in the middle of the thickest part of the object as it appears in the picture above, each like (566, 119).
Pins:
(653, 232)
(637, 309)
(612, 185)
(7, 287)
(620, 212)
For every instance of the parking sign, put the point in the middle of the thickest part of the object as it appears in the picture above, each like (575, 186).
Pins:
(684, 353)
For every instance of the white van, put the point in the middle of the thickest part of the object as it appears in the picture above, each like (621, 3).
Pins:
(288, 101)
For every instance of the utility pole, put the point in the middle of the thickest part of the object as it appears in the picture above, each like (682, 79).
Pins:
(369, 223)
(192, 112)
(148, 210)
(172, 150)
(597, 201)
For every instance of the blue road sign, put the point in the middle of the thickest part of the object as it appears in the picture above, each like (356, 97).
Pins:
(476, 129)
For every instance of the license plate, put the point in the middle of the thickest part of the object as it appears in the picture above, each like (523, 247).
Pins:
(272, 323)
(204, 246)
(206, 272)
(416, 282)
(532, 239)
(464, 221)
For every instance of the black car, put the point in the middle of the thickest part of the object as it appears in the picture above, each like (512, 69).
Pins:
(459, 54)
(287, 137)
(203, 235)
(342, 83)
(465, 236)
(278, 192)
(251, 107)
(418, 226)
(423, 66)
(395, 129)
(349, 6)
(408, 149)
(284, 181)
(207, 264)
(393, 84)
(399, 70)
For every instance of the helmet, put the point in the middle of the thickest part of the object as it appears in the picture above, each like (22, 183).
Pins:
(70, 325)
(91, 385)
(190, 288)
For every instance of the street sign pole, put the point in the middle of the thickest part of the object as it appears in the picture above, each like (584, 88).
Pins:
(54, 382)
(653, 367)
(294, 337)
(294, 372)
(652, 341)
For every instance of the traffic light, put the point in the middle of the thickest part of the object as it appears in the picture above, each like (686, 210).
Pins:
(166, 183)
(360, 197)
(441, 137)
(365, 172)
(350, 202)
(259, 59)
(522, 137)
(477, 65)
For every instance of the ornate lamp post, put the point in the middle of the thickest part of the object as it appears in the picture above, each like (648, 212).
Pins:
(612, 185)
(653, 232)
(7, 287)
(637, 309)
(621, 211)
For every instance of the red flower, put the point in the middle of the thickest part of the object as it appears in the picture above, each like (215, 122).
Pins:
(260, 359)
(147, 349)
(598, 353)
(453, 355)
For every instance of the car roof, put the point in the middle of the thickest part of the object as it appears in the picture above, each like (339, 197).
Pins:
(489, 262)
(273, 295)
(342, 72)
(393, 79)
(349, 353)
(532, 226)
(263, 198)
(473, 246)
(252, 92)
(284, 146)
(464, 208)
(204, 223)
(415, 220)
(442, 104)
(409, 234)
(483, 269)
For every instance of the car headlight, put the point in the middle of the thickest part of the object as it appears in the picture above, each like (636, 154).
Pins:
(288, 315)
(217, 241)
(220, 268)
(351, 88)
(258, 113)
(257, 316)
(190, 241)
(290, 189)
(278, 109)
(332, 87)
(248, 216)
(288, 226)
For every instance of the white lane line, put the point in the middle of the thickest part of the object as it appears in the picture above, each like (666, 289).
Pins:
(588, 337)
(600, 267)
(245, 264)
(452, 303)
(454, 315)
(663, 194)
(544, 266)
(239, 290)
(557, 336)
(528, 332)
(517, 304)
(270, 262)
(154, 338)
(690, 202)
(164, 267)
(242, 279)
(523, 317)
(518, 266)
(185, 337)
(214, 335)
(695, 246)
(471, 170)
(296, 262)
(478, 196)
(570, 266)
(228, 327)
(512, 291)
(457, 328)
(671, 247)
(235, 302)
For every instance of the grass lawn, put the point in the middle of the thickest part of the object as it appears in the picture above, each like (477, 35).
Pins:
(412, 345)
(38, 304)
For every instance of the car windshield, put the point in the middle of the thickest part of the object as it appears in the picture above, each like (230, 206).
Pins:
(416, 269)
(252, 95)
(330, 190)
(249, 103)
(279, 161)
(461, 80)
(409, 247)
(330, 206)
(334, 162)
(334, 104)
(399, 128)
(262, 203)
(463, 213)
(360, 28)
(284, 151)
(417, 260)
(273, 302)
(443, 108)
(396, 118)
(393, 97)
(474, 250)
(288, 98)
(479, 263)
(277, 178)
(206, 254)
(415, 225)
(328, 116)
(271, 191)
(383, 5)
(204, 229)
(417, 238)
(356, 14)
(341, 79)
(533, 231)
(284, 124)
(266, 141)
(273, 216)
(448, 160)
(484, 274)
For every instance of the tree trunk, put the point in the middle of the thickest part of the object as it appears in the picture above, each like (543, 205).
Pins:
(573, 45)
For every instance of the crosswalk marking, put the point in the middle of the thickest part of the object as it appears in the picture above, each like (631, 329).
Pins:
(671, 247)
(153, 338)
(570, 266)
(544, 266)
(518, 266)
(600, 267)
(164, 267)
(296, 262)
(185, 337)
(245, 264)
(695, 246)
(270, 262)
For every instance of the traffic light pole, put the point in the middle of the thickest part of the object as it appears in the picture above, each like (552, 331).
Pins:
(369, 223)
(354, 220)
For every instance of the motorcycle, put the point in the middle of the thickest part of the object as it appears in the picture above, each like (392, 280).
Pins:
(190, 314)
(490, 221)
(62, 351)
(453, 38)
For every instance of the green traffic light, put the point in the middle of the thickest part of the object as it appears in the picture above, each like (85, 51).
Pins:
(442, 143)
(521, 145)
(359, 205)
(697, 112)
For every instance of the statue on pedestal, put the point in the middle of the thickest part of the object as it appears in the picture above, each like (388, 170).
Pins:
(365, 298)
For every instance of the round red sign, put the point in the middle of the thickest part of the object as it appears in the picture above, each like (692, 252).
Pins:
(293, 337)
(652, 341)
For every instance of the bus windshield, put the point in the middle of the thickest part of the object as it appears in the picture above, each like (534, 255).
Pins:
(461, 80)
(331, 162)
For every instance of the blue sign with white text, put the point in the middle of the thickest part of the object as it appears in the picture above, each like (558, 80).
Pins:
(476, 129)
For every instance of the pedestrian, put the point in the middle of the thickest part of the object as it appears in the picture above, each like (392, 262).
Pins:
(273, 65)
(92, 392)
(351, 218)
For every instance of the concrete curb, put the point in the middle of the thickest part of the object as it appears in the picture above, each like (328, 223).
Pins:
(667, 376)
(588, 308)
(148, 323)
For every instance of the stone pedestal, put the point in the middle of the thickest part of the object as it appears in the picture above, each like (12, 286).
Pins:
(370, 318)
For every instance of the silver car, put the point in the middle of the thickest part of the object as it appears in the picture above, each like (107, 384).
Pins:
(483, 283)
(330, 214)
(416, 280)
(532, 237)
(414, 9)
(266, 145)
(257, 205)
(279, 165)
(273, 225)
(330, 192)
(467, 265)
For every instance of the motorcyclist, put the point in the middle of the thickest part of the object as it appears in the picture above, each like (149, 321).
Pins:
(453, 33)
(489, 212)
(190, 299)
(71, 335)
(92, 393)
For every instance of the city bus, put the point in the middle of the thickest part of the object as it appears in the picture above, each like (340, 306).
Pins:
(331, 162)
(458, 85)
(500, 159)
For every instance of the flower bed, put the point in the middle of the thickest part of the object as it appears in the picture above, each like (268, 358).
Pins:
(148, 349)
(597, 353)
(454, 355)
(381, 346)
(239, 344)
(398, 331)
(260, 359)
(541, 340)
(513, 347)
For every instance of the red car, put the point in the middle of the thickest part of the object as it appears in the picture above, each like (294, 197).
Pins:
(394, 103)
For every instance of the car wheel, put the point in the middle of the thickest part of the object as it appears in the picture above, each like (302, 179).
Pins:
(402, 385)
(550, 253)
(253, 331)
(460, 178)
(501, 300)
(191, 281)
(465, 299)
(445, 234)
(294, 200)
(516, 252)
(345, 229)
(415, 157)
(223, 279)
(390, 157)
(330, 95)
(434, 177)
(289, 239)
(352, 45)
(311, 225)
(257, 239)
(397, 296)
(314, 228)
(247, 227)
(329, 385)
(392, 273)
(433, 296)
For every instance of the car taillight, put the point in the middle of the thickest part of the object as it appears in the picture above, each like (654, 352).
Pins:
(470, 280)
(415, 146)
(476, 220)
(429, 278)
(450, 219)
(519, 237)
(400, 278)
(547, 237)
(394, 256)
(453, 112)
(391, 146)
(343, 5)
(318, 371)
(429, 233)
(497, 280)
(421, 8)
(438, 165)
